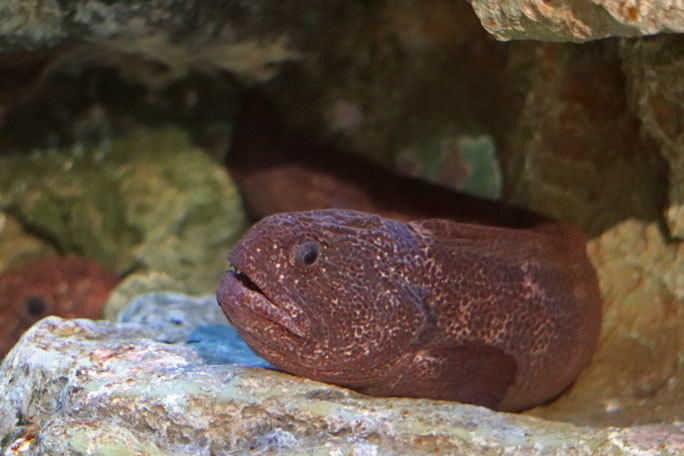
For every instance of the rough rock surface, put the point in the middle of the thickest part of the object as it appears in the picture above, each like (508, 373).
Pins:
(161, 29)
(137, 284)
(149, 200)
(197, 322)
(174, 314)
(84, 387)
(653, 69)
(576, 142)
(578, 20)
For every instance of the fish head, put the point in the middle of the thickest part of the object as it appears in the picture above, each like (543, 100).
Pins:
(326, 294)
(68, 286)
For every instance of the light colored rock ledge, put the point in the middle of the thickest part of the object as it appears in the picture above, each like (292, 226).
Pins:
(94, 387)
(578, 20)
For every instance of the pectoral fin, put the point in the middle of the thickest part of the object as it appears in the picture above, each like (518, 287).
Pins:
(471, 373)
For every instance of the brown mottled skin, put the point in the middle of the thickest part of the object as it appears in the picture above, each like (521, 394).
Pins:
(501, 309)
(500, 317)
(279, 170)
(67, 286)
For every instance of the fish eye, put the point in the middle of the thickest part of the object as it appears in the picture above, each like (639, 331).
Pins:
(35, 305)
(307, 253)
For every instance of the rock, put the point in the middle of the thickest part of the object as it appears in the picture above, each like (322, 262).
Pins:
(577, 118)
(174, 314)
(465, 163)
(578, 20)
(654, 69)
(84, 387)
(17, 246)
(149, 200)
(433, 54)
(575, 146)
(137, 284)
(197, 322)
(159, 29)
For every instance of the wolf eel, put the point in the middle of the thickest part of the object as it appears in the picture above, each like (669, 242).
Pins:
(478, 302)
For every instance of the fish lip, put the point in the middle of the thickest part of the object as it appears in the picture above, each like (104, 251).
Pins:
(245, 280)
(237, 288)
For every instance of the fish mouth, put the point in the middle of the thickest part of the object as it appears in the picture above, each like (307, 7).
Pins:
(245, 280)
(245, 303)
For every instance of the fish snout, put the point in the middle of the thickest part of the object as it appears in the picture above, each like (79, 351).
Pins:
(245, 305)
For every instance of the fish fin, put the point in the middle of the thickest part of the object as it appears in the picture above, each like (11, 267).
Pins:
(418, 296)
(549, 246)
(470, 373)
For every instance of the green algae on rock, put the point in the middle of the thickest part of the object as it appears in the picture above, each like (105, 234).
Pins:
(136, 284)
(150, 199)
(461, 162)
(17, 246)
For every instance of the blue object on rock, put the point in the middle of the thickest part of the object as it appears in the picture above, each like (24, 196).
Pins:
(221, 344)
(195, 321)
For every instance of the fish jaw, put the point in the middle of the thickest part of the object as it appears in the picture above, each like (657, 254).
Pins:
(243, 301)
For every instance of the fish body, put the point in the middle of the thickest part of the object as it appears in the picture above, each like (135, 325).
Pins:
(495, 316)
(286, 170)
(68, 286)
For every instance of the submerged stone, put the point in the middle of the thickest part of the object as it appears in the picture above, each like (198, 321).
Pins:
(175, 380)
(577, 20)
(197, 322)
(85, 387)
(17, 246)
(150, 200)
